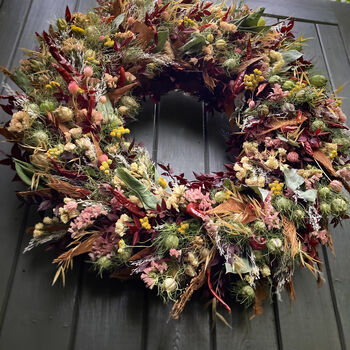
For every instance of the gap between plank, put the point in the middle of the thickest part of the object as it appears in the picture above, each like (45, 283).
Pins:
(325, 253)
(277, 322)
(299, 19)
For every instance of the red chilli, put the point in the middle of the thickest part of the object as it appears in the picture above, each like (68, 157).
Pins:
(192, 209)
(215, 294)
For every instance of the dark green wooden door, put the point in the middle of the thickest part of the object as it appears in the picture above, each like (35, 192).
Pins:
(94, 314)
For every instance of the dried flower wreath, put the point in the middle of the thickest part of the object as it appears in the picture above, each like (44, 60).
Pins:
(239, 232)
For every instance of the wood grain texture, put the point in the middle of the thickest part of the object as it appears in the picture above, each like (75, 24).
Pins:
(339, 70)
(38, 316)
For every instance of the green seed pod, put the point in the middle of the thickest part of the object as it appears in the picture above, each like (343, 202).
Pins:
(318, 81)
(221, 44)
(324, 192)
(231, 63)
(274, 245)
(288, 108)
(284, 204)
(248, 291)
(61, 24)
(263, 110)
(47, 106)
(288, 85)
(104, 263)
(302, 96)
(275, 79)
(35, 65)
(339, 206)
(265, 271)
(171, 241)
(298, 215)
(64, 114)
(220, 196)
(129, 102)
(259, 226)
(261, 22)
(210, 37)
(318, 124)
(40, 137)
(325, 209)
(169, 284)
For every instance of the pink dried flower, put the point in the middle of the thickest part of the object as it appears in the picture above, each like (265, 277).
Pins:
(150, 273)
(103, 99)
(88, 71)
(71, 205)
(175, 253)
(321, 235)
(103, 246)
(309, 183)
(336, 185)
(293, 157)
(196, 196)
(271, 218)
(73, 87)
(277, 94)
(86, 218)
(251, 104)
(344, 173)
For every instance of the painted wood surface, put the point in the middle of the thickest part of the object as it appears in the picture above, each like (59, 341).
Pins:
(90, 313)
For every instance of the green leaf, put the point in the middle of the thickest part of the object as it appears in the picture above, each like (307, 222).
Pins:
(261, 192)
(106, 109)
(22, 81)
(163, 36)
(293, 179)
(244, 266)
(290, 56)
(308, 195)
(293, 143)
(148, 199)
(255, 29)
(193, 45)
(118, 21)
(24, 171)
(253, 19)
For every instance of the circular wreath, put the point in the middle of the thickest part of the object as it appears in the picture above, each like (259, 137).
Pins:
(237, 231)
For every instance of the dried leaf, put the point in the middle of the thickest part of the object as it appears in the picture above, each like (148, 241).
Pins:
(141, 254)
(7, 134)
(290, 233)
(144, 33)
(325, 161)
(66, 188)
(261, 293)
(290, 290)
(124, 274)
(118, 93)
(246, 64)
(118, 7)
(278, 124)
(234, 206)
(81, 248)
(97, 146)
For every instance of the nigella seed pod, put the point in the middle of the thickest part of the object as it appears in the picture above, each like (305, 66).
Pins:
(284, 204)
(288, 108)
(104, 263)
(220, 44)
(204, 253)
(231, 63)
(64, 114)
(275, 79)
(47, 106)
(220, 196)
(169, 284)
(318, 124)
(171, 242)
(248, 291)
(288, 85)
(318, 81)
(325, 209)
(210, 37)
(190, 271)
(259, 226)
(40, 137)
(274, 245)
(324, 192)
(339, 206)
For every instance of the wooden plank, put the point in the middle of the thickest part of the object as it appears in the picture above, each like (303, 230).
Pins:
(181, 134)
(342, 13)
(311, 10)
(31, 309)
(38, 316)
(180, 143)
(12, 15)
(313, 311)
(339, 69)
